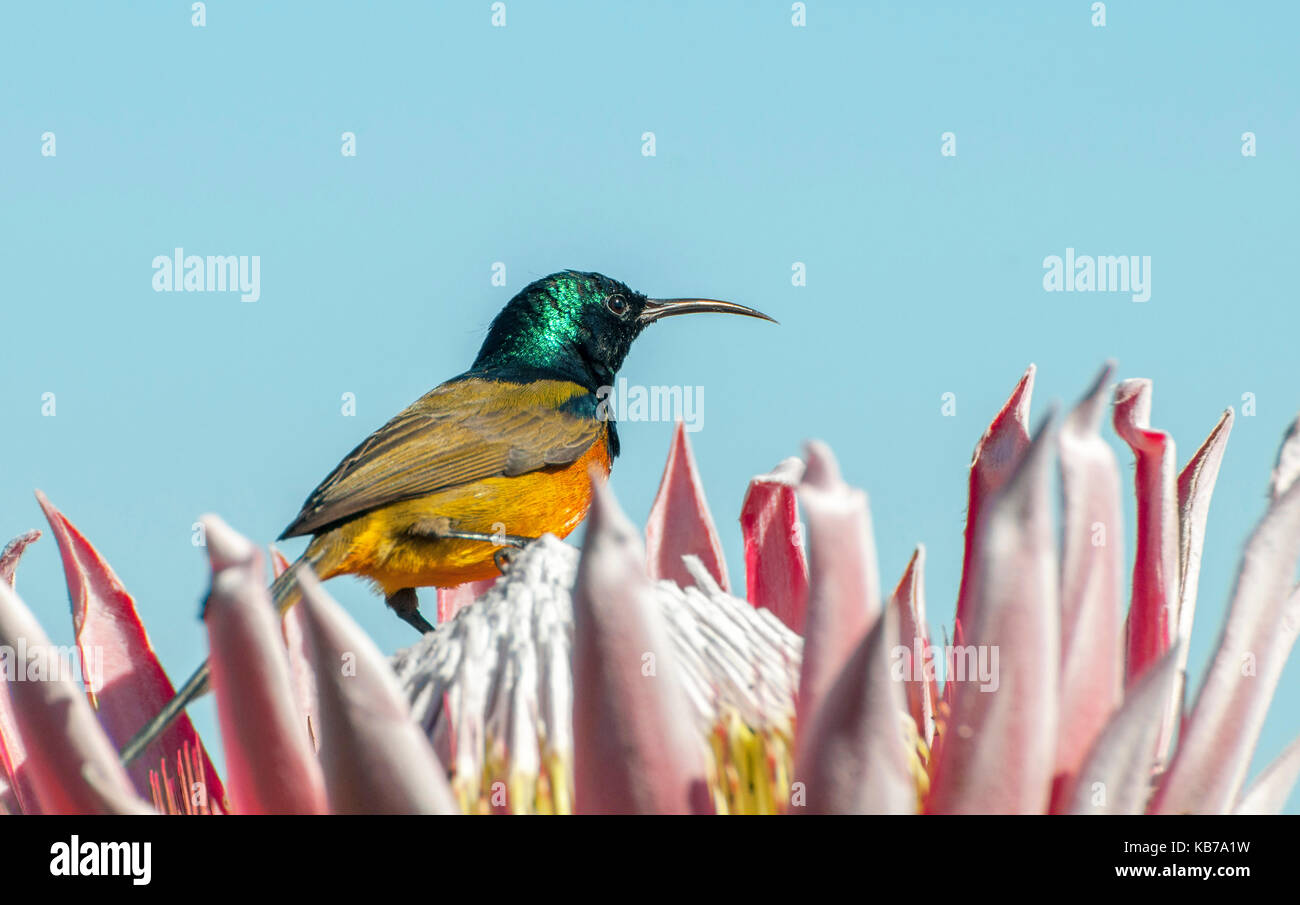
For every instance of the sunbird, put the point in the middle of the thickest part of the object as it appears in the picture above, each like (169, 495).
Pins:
(481, 464)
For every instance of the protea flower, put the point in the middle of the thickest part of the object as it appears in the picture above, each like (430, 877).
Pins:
(628, 678)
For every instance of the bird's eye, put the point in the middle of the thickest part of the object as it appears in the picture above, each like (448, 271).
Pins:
(617, 305)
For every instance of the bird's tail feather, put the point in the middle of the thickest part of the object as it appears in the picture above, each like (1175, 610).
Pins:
(284, 593)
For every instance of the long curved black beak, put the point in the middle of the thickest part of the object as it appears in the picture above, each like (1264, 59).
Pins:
(659, 308)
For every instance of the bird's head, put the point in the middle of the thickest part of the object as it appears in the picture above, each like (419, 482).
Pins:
(580, 326)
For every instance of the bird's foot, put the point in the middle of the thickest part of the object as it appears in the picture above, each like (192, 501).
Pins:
(503, 556)
(406, 604)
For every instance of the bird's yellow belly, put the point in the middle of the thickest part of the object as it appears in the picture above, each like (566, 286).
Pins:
(394, 546)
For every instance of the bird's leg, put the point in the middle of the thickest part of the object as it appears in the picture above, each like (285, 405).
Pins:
(502, 556)
(406, 605)
(501, 540)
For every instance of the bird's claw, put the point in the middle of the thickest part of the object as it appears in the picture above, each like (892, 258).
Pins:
(503, 557)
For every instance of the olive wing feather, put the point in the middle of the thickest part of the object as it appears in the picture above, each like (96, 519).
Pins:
(461, 432)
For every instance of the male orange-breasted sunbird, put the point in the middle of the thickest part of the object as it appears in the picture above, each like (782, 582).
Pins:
(487, 461)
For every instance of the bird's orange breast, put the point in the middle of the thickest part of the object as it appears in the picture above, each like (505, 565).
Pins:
(395, 545)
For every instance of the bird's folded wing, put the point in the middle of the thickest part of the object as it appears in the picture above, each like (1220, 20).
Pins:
(461, 432)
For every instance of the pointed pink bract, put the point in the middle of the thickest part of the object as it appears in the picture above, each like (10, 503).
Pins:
(57, 727)
(999, 745)
(853, 759)
(996, 454)
(13, 552)
(776, 567)
(1152, 616)
(134, 685)
(19, 796)
(635, 744)
(1195, 487)
(843, 580)
(1115, 775)
(295, 644)
(908, 600)
(270, 765)
(374, 758)
(1218, 738)
(1092, 656)
(680, 523)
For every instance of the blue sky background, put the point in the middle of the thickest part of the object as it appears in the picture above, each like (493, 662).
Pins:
(522, 144)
